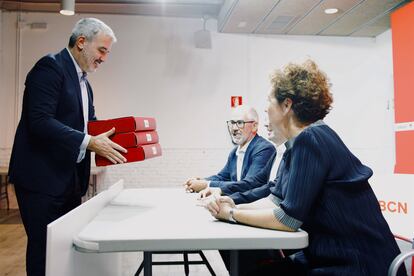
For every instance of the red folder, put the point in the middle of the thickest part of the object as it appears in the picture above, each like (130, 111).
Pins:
(124, 124)
(138, 153)
(133, 139)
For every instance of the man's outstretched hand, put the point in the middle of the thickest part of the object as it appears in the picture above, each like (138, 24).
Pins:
(103, 146)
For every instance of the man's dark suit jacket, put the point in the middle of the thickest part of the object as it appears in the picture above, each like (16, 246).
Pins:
(50, 130)
(256, 157)
(258, 192)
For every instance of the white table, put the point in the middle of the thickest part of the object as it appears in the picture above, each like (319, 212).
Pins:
(170, 220)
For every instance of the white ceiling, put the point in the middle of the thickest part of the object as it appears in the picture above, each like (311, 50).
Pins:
(292, 17)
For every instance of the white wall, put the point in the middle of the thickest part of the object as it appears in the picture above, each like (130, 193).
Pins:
(155, 70)
(361, 75)
(6, 100)
(8, 80)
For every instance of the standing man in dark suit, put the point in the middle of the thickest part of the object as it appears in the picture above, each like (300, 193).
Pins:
(50, 161)
(245, 161)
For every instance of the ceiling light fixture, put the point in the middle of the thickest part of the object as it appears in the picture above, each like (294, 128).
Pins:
(202, 38)
(331, 11)
(67, 7)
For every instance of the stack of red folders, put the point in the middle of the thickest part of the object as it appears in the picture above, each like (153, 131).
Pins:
(137, 134)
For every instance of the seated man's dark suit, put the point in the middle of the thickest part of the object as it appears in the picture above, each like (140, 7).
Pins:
(256, 157)
(258, 192)
(43, 167)
(257, 164)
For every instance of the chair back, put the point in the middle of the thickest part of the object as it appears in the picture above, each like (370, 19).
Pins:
(406, 246)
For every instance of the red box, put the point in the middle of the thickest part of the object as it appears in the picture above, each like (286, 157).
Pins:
(122, 125)
(133, 139)
(138, 153)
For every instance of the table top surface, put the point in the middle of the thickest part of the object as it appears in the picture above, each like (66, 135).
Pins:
(167, 219)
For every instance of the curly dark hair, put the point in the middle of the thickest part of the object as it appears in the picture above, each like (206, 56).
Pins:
(307, 87)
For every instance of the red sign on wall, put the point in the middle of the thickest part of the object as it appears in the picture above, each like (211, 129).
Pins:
(236, 101)
(402, 21)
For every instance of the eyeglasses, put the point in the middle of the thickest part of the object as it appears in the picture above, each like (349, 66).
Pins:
(240, 123)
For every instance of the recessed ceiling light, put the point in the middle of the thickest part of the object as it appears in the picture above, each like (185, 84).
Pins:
(331, 11)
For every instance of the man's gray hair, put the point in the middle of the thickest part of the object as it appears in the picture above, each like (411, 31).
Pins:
(252, 114)
(249, 112)
(89, 28)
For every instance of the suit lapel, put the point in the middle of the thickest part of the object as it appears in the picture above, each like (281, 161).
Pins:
(246, 158)
(71, 69)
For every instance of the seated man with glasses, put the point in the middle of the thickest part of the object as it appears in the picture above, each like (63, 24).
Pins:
(245, 161)
(261, 191)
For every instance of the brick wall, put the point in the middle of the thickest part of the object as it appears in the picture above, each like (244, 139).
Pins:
(4, 156)
(171, 169)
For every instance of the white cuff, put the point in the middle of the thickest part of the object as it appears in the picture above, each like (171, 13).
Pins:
(82, 148)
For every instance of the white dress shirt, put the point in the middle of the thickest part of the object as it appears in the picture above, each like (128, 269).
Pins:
(85, 109)
(280, 150)
(240, 158)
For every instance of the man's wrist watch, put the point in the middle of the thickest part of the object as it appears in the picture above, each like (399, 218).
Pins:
(231, 218)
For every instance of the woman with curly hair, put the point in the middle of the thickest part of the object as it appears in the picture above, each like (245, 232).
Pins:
(321, 187)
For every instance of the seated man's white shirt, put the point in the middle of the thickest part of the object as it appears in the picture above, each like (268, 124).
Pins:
(240, 158)
(280, 150)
